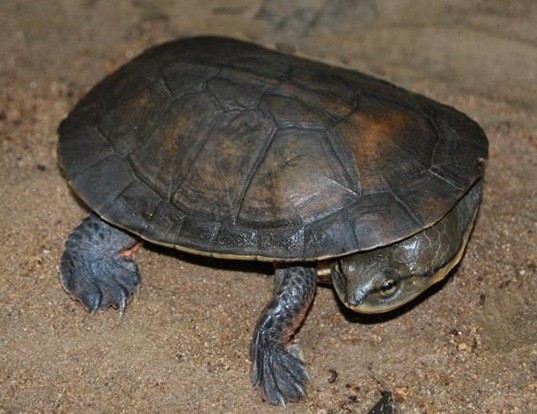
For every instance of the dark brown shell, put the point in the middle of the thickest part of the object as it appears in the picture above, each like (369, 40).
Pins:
(227, 148)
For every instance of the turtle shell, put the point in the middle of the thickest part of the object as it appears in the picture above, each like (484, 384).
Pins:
(225, 148)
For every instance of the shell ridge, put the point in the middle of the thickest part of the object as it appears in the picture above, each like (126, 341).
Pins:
(176, 189)
(118, 195)
(73, 175)
(149, 136)
(163, 79)
(106, 138)
(406, 208)
(142, 179)
(251, 174)
(352, 180)
(445, 179)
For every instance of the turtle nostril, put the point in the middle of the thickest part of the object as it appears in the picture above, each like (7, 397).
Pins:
(356, 298)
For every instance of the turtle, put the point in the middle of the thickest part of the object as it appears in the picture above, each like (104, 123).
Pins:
(224, 148)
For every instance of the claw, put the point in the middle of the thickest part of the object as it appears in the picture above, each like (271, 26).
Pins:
(122, 305)
(281, 401)
(279, 374)
(296, 352)
(301, 390)
(92, 301)
(95, 266)
(136, 293)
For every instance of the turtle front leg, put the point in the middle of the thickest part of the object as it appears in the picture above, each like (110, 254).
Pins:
(276, 368)
(95, 266)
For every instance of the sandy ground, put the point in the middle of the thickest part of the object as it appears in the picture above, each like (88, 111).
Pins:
(468, 346)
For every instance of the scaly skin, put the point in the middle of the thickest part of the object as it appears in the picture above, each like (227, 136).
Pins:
(276, 368)
(95, 267)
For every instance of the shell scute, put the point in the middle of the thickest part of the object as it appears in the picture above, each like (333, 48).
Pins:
(227, 148)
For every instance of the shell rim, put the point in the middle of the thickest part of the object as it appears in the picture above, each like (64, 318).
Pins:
(260, 258)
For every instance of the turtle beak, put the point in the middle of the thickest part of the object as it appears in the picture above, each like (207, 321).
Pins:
(369, 308)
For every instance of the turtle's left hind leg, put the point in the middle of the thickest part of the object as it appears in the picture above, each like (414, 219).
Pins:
(95, 267)
(277, 368)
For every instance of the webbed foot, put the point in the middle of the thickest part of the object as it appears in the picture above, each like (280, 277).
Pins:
(277, 369)
(95, 267)
(279, 374)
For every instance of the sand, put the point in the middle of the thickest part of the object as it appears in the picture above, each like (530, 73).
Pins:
(467, 346)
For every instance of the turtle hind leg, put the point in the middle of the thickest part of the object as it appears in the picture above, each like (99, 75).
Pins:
(95, 267)
(277, 369)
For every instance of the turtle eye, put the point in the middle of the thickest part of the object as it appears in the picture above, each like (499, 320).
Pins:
(388, 287)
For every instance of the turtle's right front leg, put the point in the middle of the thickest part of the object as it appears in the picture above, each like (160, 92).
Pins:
(95, 267)
(277, 369)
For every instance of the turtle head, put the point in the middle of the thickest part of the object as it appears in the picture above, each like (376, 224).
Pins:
(382, 279)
